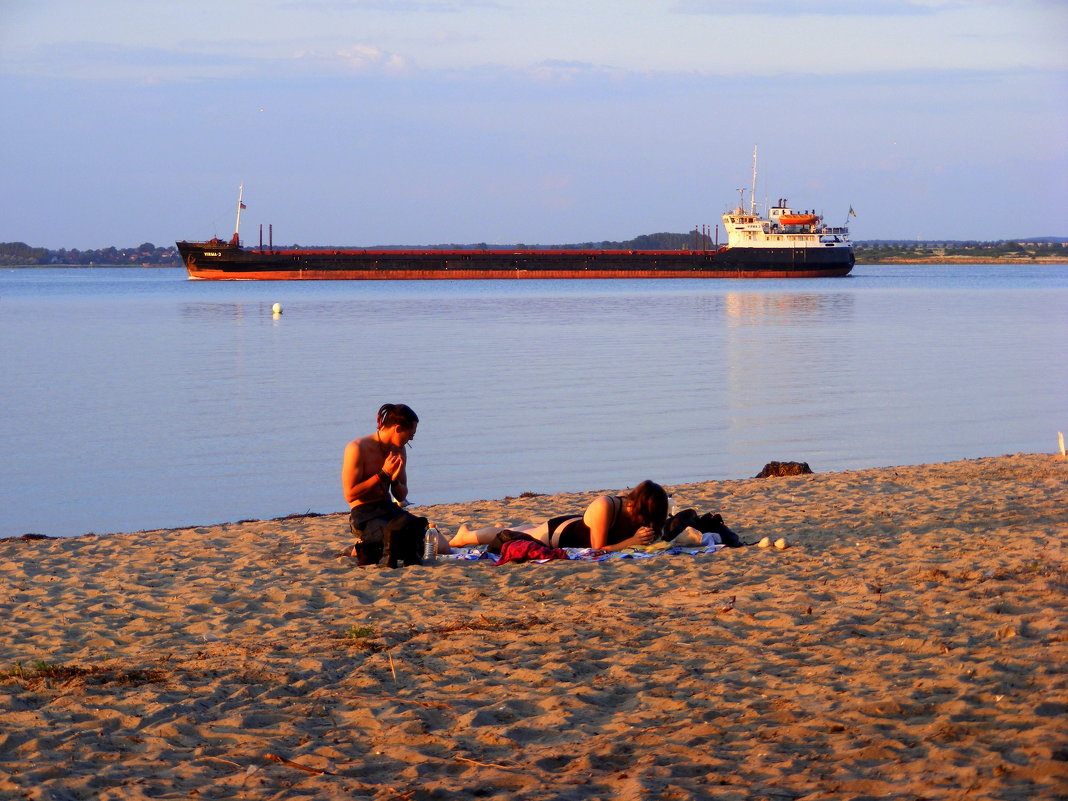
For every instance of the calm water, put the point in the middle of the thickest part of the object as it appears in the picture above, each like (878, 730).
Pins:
(133, 398)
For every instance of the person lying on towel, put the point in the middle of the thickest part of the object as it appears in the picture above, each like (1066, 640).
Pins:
(610, 523)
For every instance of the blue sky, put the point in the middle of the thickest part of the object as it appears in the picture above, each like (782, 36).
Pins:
(414, 122)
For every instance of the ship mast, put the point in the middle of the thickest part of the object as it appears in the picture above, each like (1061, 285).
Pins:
(752, 194)
(240, 205)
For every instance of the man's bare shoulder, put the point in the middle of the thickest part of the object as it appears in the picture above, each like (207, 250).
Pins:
(359, 445)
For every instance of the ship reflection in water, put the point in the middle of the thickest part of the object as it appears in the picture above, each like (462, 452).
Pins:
(785, 359)
(748, 308)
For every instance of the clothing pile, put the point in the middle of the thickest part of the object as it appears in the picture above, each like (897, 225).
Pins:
(707, 523)
(523, 550)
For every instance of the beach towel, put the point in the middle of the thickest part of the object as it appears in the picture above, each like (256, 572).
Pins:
(589, 554)
(593, 555)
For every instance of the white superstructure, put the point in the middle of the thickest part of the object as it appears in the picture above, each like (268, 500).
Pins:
(782, 228)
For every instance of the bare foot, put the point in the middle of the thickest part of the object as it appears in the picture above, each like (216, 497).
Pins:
(462, 536)
(466, 537)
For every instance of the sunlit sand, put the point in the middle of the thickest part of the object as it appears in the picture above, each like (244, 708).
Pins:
(910, 642)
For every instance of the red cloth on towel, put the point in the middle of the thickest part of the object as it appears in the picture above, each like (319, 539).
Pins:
(528, 551)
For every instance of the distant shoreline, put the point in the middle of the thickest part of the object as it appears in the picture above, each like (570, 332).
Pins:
(968, 260)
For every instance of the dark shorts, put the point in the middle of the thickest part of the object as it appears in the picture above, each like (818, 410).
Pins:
(384, 533)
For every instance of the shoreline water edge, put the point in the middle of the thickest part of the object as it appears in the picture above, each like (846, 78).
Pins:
(909, 643)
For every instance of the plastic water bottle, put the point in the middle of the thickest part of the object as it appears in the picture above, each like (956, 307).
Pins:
(673, 509)
(430, 545)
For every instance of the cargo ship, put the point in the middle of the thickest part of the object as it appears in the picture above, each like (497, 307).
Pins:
(781, 244)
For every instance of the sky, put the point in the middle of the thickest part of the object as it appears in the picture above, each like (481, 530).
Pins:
(417, 122)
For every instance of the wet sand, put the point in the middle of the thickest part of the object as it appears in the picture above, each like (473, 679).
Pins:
(909, 644)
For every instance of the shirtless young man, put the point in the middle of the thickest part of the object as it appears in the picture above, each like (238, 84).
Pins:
(375, 467)
(373, 471)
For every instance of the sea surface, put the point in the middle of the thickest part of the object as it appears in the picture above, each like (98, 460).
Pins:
(136, 399)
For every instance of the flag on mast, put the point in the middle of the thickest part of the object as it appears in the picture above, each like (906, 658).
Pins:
(851, 212)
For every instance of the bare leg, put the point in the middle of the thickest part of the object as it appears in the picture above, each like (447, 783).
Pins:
(466, 537)
(443, 544)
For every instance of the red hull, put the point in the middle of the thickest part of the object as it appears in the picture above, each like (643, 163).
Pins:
(482, 275)
(219, 261)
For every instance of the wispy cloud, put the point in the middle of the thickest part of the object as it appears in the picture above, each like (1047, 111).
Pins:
(115, 61)
(822, 8)
(856, 8)
(394, 6)
(356, 58)
(147, 65)
(563, 72)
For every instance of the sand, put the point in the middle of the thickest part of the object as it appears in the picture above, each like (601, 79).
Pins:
(909, 644)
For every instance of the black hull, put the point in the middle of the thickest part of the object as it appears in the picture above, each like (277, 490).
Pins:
(224, 261)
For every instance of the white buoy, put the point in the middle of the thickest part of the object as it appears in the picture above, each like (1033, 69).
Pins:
(276, 309)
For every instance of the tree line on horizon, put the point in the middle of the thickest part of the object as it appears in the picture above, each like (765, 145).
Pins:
(19, 254)
(879, 250)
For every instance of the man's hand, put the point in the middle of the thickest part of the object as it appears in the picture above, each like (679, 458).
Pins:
(393, 465)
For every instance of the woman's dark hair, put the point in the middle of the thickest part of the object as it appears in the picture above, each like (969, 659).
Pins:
(648, 505)
(397, 414)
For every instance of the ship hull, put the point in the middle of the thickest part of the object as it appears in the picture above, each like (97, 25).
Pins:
(226, 262)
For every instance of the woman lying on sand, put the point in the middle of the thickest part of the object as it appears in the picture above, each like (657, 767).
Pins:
(610, 523)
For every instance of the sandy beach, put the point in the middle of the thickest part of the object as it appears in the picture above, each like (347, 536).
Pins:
(911, 643)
